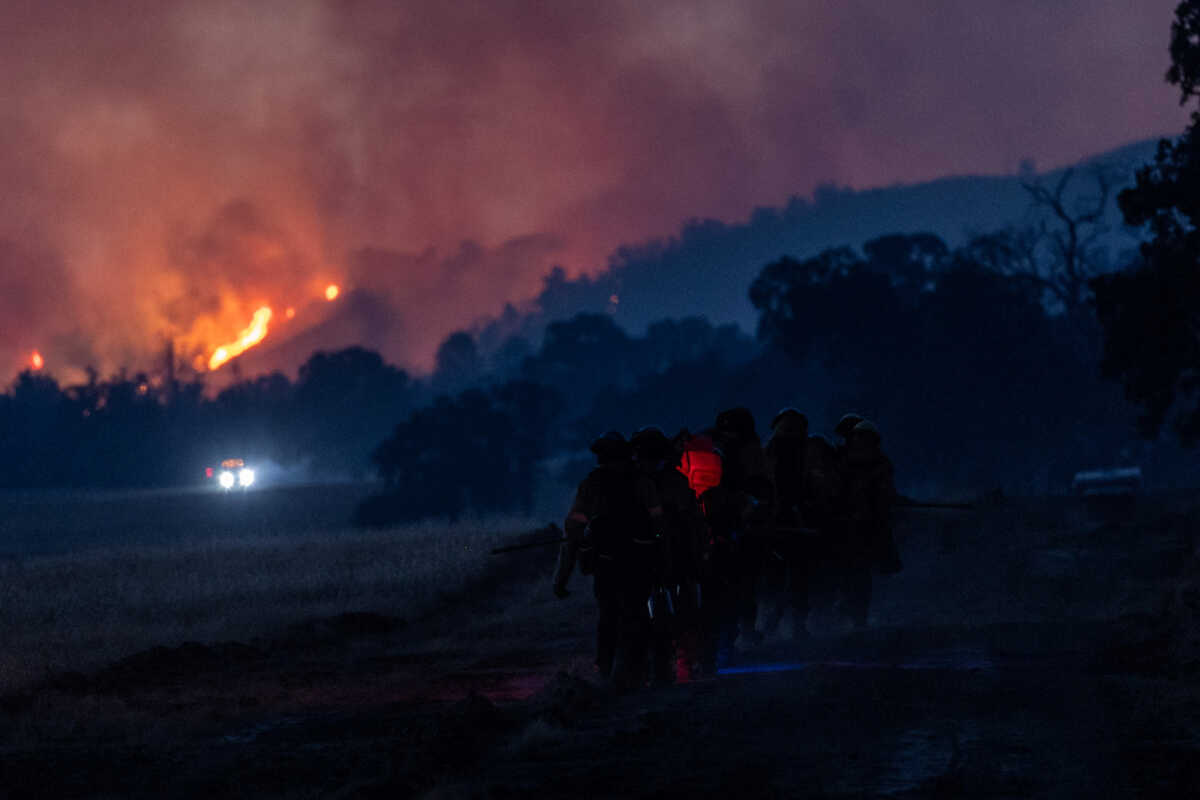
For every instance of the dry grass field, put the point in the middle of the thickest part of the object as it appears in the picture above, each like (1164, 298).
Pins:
(209, 577)
(1032, 648)
(79, 612)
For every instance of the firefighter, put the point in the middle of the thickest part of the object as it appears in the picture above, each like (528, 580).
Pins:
(868, 495)
(613, 530)
(745, 460)
(787, 563)
(843, 428)
(821, 482)
(702, 463)
(676, 632)
(821, 503)
(747, 480)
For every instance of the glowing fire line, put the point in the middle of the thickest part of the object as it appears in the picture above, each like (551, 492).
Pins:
(254, 333)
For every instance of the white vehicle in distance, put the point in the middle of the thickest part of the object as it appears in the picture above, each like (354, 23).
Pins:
(232, 474)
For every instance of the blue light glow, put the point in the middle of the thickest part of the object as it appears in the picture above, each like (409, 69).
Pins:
(760, 668)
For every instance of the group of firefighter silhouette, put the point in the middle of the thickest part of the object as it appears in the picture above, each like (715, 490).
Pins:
(682, 534)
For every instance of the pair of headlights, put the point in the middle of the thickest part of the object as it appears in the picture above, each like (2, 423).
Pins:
(243, 478)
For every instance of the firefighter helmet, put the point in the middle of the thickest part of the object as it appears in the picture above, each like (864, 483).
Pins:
(651, 441)
(794, 418)
(846, 424)
(611, 446)
(868, 429)
(738, 421)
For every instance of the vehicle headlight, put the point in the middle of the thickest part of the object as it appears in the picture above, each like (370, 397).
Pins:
(246, 477)
(226, 479)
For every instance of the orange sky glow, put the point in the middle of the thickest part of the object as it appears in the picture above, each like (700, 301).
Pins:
(174, 170)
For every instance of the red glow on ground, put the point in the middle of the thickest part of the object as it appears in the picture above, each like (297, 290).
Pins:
(36, 362)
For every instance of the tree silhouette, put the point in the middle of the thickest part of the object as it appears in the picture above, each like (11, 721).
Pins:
(581, 355)
(952, 352)
(477, 451)
(838, 306)
(1062, 250)
(1151, 315)
(345, 403)
(457, 364)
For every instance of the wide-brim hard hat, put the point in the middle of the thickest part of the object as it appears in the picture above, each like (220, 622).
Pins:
(611, 445)
(846, 424)
(868, 429)
(793, 417)
(650, 439)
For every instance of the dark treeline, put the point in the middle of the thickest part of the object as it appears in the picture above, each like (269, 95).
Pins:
(1151, 313)
(140, 431)
(332, 422)
(981, 364)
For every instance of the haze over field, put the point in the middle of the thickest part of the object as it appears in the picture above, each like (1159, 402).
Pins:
(171, 167)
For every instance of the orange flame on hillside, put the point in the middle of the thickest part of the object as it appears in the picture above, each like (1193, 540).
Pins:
(254, 333)
(332, 291)
(36, 361)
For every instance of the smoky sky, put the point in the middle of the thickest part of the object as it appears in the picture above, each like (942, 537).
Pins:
(167, 167)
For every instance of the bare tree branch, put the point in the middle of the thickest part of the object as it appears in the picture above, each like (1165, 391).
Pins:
(1070, 235)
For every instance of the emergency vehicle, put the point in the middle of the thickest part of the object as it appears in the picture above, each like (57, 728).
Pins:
(232, 473)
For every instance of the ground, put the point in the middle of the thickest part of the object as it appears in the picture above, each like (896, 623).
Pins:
(1030, 648)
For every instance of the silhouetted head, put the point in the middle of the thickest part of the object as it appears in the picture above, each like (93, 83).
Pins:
(611, 448)
(862, 445)
(867, 431)
(738, 421)
(846, 424)
(681, 438)
(651, 445)
(790, 422)
(819, 450)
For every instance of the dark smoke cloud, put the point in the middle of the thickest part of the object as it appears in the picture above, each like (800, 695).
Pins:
(184, 162)
(472, 280)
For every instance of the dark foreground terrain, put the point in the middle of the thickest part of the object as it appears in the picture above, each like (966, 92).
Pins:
(47, 522)
(1030, 649)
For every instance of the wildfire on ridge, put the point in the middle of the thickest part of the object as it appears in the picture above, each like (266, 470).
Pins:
(332, 291)
(254, 333)
(36, 362)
